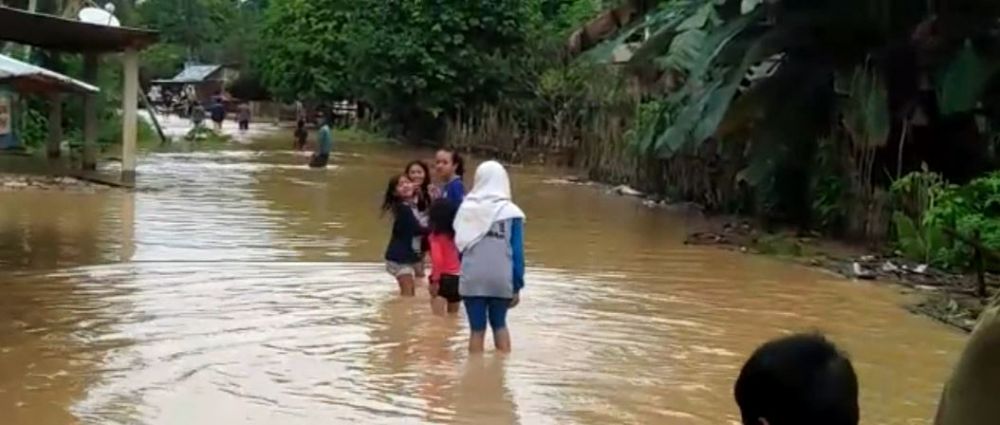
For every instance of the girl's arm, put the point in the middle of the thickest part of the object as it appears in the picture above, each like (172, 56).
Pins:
(517, 252)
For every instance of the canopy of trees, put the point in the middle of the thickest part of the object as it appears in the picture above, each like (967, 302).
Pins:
(411, 60)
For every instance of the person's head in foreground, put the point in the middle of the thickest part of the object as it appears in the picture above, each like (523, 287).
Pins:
(798, 380)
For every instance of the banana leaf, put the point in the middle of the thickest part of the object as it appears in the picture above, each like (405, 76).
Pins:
(964, 80)
(664, 27)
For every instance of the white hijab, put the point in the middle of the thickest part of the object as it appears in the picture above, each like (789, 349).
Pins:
(487, 203)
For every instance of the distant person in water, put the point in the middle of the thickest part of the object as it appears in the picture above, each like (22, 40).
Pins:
(400, 257)
(798, 380)
(243, 116)
(324, 145)
(445, 263)
(197, 115)
(489, 233)
(300, 135)
(449, 167)
(300, 114)
(218, 113)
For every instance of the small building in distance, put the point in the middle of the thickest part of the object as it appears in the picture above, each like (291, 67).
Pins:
(203, 80)
(20, 78)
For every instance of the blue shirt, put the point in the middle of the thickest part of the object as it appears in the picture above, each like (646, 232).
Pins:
(325, 140)
(517, 252)
(454, 191)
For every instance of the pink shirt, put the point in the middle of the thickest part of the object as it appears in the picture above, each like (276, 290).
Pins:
(444, 256)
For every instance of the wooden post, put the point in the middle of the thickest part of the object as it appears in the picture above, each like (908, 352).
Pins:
(127, 220)
(90, 114)
(130, 100)
(980, 266)
(55, 125)
(32, 7)
(152, 117)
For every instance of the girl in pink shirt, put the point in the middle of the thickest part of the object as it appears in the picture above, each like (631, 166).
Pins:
(445, 263)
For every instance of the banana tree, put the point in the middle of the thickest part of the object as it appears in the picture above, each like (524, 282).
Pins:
(764, 71)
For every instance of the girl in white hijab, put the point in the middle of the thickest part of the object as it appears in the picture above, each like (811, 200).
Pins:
(489, 232)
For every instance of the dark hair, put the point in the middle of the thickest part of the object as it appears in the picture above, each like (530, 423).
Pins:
(425, 188)
(391, 200)
(442, 217)
(796, 380)
(456, 159)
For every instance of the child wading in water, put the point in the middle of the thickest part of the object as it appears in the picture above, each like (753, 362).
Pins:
(450, 167)
(445, 264)
(419, 175)
(489, 232)
(401, 258)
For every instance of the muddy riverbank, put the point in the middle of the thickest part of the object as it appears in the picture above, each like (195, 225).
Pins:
(19, 182)
(946, 296)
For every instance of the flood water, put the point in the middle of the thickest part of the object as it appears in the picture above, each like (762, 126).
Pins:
(238, 287)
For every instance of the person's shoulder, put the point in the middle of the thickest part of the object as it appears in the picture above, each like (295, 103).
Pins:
(455, 185)
(401, 208)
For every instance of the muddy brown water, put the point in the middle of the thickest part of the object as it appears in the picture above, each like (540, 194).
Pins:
(238, 287)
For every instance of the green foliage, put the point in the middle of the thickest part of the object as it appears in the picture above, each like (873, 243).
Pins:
(403, 58)
(561, 17)
(204, 31)
(918, 242)
(32, 125)
(435, 56)
(971, 208)
(192, 24)
(866, 109)
(162, 60)
(828, 202)
(303, 50)
(926, 207)
(964, 80)
(778, 244)
(643, 130)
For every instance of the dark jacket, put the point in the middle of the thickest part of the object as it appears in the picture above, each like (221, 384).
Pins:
(405, 228)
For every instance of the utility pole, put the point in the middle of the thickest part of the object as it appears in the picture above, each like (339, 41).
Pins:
(32, 7)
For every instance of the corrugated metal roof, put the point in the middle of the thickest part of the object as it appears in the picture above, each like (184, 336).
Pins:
(54, 32)
(13, 70)
(193, 74)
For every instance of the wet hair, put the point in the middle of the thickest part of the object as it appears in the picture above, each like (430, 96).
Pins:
(456, 159)
(797, 380)
(442, 217)
(391, 200)
(424, 199)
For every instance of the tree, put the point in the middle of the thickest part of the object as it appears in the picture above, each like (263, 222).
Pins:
(420, 59)
(412, 60)
(303, 48)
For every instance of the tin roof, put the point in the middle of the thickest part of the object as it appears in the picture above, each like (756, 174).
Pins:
(192, 74)
(68, 35)
(30, 78)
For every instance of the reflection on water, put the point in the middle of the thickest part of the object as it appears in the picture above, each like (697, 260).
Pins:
(240, 287)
